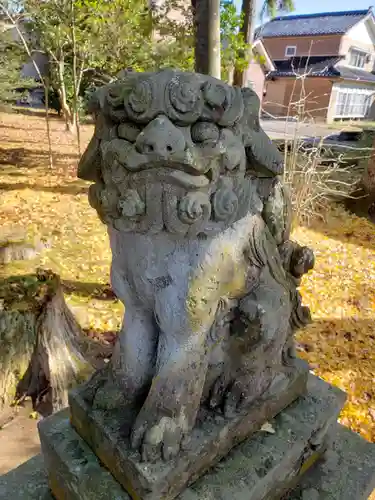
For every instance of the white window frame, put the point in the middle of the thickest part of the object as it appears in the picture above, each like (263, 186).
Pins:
(294, 47)
(353, 102)
(360, 56)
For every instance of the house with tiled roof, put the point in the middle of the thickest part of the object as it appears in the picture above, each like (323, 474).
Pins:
(324, 65)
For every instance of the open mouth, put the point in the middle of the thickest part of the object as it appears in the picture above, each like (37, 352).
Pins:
(192, 180)
(179, 173)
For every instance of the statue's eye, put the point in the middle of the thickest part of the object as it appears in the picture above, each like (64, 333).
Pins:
(128, 131)
(205, 132)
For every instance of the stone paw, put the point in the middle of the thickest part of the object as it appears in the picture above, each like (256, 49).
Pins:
(92, 386)
(157, 438)
(236, 394)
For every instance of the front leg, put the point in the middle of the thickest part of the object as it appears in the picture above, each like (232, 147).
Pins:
(133, 360)
(169, 412)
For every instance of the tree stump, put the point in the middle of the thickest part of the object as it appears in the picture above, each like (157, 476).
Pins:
(42, 347)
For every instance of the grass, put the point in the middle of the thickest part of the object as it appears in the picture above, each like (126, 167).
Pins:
(340, 344)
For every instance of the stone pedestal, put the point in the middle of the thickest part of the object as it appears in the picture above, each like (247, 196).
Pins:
(266, 465)
(344, 472)
(212, 438)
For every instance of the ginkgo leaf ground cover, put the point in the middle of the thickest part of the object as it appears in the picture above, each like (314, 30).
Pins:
(52, 205)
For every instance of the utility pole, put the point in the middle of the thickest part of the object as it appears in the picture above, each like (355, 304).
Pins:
(214, 46)
(207, 37)
(248, 11)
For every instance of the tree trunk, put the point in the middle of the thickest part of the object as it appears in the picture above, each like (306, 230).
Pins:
(46, 104)
(207, 36)
(65, 108)
(248, 13)
(42, 348)
(66, 112)
(75, 80)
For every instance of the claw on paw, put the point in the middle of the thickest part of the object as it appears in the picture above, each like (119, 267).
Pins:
(234, 395)
(159, 440)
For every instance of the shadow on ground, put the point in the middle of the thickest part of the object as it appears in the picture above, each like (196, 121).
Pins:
(95, 290)
(34, 140)
(38, 112)
(31, 158)
(342, 350)
(342, 335)
(16, 127)
(338, 228)
(360, 205)
(68, 189)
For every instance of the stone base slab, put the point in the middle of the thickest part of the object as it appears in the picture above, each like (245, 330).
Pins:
(345, 472)
(74, 472)
(211, 440)
(262, 467)
(268, 464)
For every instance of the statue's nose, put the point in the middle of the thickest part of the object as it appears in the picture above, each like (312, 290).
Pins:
(160, 138)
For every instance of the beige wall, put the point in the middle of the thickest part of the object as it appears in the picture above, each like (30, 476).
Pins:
(313, 46)
(273, 101)
(255, 75)
(284, 96)
(361, 37)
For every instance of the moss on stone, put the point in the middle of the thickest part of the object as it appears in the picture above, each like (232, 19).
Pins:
(27, 293)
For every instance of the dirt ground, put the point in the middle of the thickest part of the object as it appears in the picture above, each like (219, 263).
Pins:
(19, 439)
(38, 202)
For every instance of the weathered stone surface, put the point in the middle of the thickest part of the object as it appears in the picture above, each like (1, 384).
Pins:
(210, 440)
(345, 472)
(74, 472)
(264, 466)
(261, 467)
(26, 482)
(199, 224)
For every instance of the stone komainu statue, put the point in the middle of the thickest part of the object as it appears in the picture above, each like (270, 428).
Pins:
(198, 219)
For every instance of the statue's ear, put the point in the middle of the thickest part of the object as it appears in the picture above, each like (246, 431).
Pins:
(89, 167)
(250, 98)
(251, 107)
(263, 155)
(277, 212)
(97, 99)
